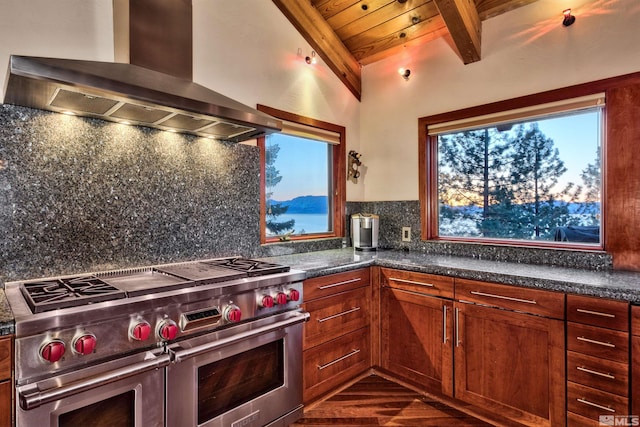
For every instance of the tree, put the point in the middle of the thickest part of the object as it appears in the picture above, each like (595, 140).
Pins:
(535, 169)
(272, 178)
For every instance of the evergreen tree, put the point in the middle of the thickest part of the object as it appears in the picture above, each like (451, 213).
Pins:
(272, 178)
(535, 169)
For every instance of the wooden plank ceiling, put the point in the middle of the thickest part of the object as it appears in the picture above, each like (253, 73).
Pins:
(350, 33)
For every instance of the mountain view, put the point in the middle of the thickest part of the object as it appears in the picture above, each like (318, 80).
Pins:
(304, 205)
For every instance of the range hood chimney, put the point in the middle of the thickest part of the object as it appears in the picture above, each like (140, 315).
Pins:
(151, 86)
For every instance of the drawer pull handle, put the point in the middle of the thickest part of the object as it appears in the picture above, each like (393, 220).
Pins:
(589, 371)
(595, 313)
(344, 313)
(346, 282)
(606, 344)
(339, 359)
(457, 327)
(595, 405)
(482, 294)
(411, 282)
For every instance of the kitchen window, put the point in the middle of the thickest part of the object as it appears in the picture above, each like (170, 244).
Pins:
(302, 179)
(528, 176)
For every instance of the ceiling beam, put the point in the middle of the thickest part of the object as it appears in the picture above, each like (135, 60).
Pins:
(463, 22)
(317, 32)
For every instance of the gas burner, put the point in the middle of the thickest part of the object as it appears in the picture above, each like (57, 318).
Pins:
(250, 266)
(53, 294)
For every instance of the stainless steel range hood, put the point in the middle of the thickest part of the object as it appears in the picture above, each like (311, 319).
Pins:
(129, 93)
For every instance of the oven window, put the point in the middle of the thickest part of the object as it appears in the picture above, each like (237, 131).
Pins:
(233, 381)
(115, 411)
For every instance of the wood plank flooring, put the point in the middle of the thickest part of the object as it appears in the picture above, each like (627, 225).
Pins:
(375, 401)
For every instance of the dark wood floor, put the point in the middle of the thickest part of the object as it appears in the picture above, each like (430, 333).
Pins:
(375, 401)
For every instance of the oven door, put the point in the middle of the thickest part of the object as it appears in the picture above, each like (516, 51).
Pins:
(124, 393)
(248, 375)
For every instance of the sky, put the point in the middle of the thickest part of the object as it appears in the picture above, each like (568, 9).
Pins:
(303, 164)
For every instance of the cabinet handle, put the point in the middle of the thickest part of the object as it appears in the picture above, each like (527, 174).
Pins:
(457, 327)
(339, 359)
(333, 285)
(595, 405)
(344, 313)
(482, 294)
(444, 324)
(589, 371)
(606, 344)
(595, 313)
(411, 282)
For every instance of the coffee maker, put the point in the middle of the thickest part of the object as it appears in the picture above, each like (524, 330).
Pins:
(364, 231)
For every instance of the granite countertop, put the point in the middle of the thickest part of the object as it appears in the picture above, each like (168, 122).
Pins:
(6, 316)
(620, 285)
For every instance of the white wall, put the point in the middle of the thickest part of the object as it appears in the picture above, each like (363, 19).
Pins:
(245, 49)
(524, 51)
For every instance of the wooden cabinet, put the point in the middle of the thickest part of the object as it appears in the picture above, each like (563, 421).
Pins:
(337, 341)
(597, 359)
(635, 353)
(510, 362)
(5, 380)
(416, 329)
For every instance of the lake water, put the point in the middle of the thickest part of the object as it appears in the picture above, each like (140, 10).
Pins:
(307, 223)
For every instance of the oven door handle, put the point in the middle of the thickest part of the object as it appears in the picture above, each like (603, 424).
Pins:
(181, 354)
(32, 397)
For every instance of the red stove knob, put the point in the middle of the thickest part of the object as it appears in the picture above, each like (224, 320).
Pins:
(232, 313)
(281, 298)
(84, 344)
(167, 330)
(140, 331)
(266, 301)
(294, 295)
(52, 351)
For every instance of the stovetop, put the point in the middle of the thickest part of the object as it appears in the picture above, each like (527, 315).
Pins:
(71, 291)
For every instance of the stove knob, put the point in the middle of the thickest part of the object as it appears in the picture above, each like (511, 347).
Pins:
(294, 295)
(140, 331)
(266, 301)
(167, 330)
(84, 344)
(52, 351)
(232, 313)
(281, 298)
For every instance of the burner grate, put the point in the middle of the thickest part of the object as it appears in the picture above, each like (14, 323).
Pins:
(250, 266)
(68, 292)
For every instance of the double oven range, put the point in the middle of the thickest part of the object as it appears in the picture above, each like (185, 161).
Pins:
(207, 343)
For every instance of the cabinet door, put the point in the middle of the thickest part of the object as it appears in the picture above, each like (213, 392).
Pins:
(416, 339)
(635, 364)
(511, 364)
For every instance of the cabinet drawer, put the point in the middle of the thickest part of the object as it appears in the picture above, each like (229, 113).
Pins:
(598, 342)
(534, 301)
(601, 374)
(5, 404)
(5, 358)
(635, 320)
(592, 403)
(328, 365)
(418, 282)
(328, 285)
(575, 420)
(336, 315)
(600, 312)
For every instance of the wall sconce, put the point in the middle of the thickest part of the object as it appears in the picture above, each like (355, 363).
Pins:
(354, 163)
(311, 59)
(568, 18)
(405, 73)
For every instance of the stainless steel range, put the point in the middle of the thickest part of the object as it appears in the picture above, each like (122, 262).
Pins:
(213, 343)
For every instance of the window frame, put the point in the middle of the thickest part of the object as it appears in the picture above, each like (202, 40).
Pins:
(428, 165)
(339, 183)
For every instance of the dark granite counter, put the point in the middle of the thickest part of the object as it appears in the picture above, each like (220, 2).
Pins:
(606, 284)
(6, 316)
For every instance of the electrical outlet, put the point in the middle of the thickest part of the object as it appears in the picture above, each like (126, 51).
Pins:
(406, 234)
